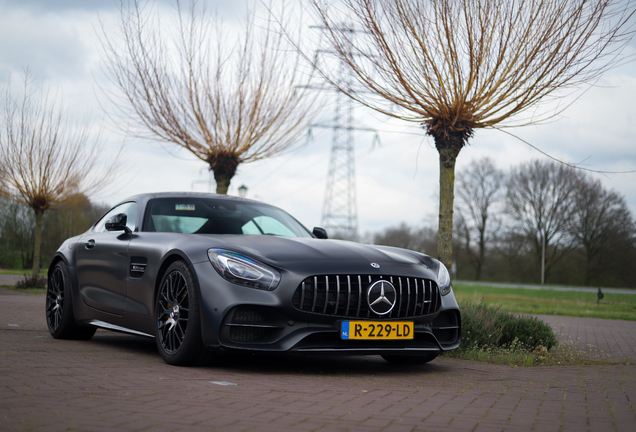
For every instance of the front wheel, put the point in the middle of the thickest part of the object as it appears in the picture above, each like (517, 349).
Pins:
(409, 359)
(177, 315)
(59, 307)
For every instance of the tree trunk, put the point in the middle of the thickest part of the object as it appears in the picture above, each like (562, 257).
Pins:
(482, 250)
(224, 167)
(448, 149)
(39, 216)
(480, 265)
(222, 183)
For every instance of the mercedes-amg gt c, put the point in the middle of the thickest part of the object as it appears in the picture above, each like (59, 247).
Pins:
(204, 273)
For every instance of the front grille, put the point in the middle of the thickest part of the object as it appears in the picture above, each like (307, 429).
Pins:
(346, 295)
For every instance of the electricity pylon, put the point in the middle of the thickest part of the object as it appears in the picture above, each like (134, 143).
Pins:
(340, 209)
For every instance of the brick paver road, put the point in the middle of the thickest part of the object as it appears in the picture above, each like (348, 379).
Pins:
(120, 382)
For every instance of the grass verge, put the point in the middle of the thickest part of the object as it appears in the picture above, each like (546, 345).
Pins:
(564, 354)
(27, 290)
(548, 302)
(492, 335)
(23, 272)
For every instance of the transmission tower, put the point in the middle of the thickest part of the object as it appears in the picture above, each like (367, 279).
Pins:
(340, 209)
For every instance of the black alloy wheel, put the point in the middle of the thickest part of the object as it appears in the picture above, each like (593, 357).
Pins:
(59, 307)
(177, 314)
(55, 299)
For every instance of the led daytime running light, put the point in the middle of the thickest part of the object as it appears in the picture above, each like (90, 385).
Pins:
(242, 270)
(443, 279)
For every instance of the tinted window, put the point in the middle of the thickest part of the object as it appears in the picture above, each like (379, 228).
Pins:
(129, 209)
(219, 216)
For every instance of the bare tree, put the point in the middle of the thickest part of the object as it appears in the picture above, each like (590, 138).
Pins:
(479, 188)
(455, 66)
(45, 161)
(540, 201)
(228, 100)
(407, 237)
(600, 219)
(16, 233)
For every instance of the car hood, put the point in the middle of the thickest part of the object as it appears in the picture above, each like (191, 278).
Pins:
(283, 251)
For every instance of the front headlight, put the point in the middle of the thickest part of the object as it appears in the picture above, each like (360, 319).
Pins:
(443, 279)
(242, 270)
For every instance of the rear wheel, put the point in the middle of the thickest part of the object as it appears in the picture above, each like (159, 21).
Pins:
(178, 318)
(59, 307)
(409, 359)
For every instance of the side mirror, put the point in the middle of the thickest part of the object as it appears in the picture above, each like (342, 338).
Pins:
(117, 223)
(320, 233)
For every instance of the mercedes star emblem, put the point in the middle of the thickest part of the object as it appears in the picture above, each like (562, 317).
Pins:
(381, 297)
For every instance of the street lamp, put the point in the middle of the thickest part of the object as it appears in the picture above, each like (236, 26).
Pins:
(242, 191)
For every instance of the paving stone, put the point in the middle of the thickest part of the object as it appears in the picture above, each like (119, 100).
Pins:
(119, 381)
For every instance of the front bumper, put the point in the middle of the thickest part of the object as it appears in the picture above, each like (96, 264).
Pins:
(240, 318)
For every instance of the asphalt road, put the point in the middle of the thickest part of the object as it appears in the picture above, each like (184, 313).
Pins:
(120, 382)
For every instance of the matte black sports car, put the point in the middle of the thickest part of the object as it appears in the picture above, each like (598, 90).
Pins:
(203, 273)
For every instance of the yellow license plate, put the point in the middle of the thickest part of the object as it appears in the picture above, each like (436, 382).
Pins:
(373, 330)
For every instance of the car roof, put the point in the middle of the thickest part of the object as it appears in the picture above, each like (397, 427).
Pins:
(144, 197)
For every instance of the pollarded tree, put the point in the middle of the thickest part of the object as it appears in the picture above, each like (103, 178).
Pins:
(46, 162)
(456, 66)
(228, 99)
(407, 237)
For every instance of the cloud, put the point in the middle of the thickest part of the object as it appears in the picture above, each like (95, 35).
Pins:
(397, 181)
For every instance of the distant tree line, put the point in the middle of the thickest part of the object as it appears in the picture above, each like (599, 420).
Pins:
(17, 230)
(538, 215)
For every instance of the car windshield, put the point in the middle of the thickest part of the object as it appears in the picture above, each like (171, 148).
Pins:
(195, 215)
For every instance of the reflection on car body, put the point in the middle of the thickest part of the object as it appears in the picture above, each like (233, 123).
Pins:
(204, 273)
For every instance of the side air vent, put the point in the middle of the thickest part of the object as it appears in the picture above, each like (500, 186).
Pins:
(138, 266)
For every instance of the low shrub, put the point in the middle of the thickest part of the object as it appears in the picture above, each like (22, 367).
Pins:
(528, 331)
(479, 328)
(486, 326)
(31, 282)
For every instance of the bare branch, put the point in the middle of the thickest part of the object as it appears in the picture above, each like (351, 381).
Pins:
(45, 161)
(475, 64)
(455, 66)
(228, 100)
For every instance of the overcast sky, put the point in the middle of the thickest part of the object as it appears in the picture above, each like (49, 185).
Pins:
(396, 181)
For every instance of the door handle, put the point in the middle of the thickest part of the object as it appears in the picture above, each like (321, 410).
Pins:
(89, 244)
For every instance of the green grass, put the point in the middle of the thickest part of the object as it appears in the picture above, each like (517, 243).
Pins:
(43, 272)
(28, 290)
(547, 302)
(564, 354)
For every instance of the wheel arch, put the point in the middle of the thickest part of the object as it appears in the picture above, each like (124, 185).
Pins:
(56, 259)
(169, 258)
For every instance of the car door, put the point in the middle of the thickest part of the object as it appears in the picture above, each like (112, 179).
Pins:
(102, 262)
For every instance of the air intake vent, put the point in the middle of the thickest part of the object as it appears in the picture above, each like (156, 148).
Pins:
(346, 295)
(446, 327)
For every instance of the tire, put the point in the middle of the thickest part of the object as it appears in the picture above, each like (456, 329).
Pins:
(409, 359)
(59, 307)
(177, 314)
